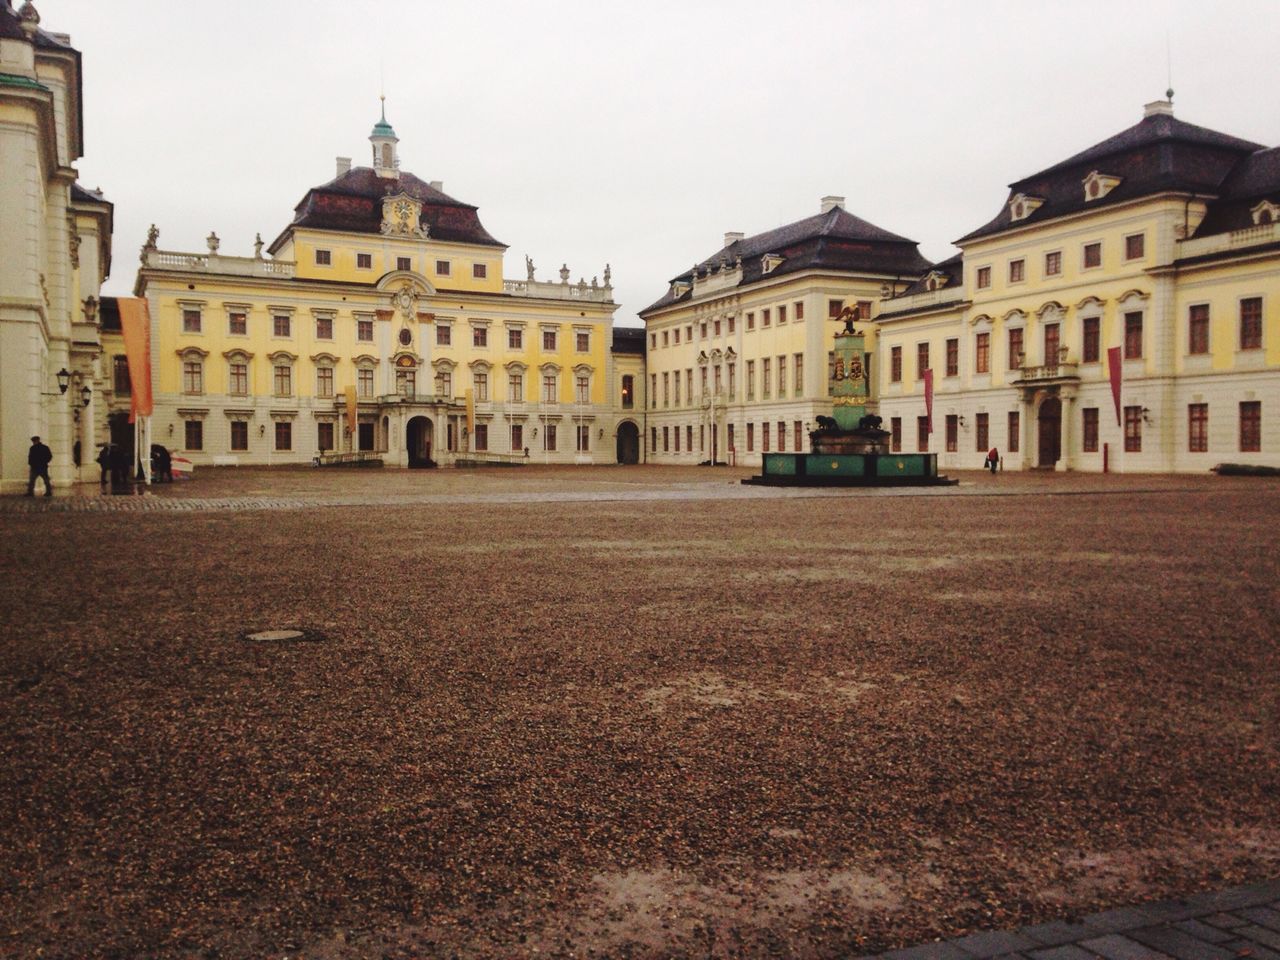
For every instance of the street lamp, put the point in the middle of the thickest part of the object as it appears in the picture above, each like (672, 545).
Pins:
(64, 378)
(85, 394)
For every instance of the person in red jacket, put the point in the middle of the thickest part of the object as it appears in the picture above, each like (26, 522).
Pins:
(993, 459)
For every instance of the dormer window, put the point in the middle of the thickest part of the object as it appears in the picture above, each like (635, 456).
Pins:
(679, 288)
(769, 262)
(1098, 185)
(1266, 212)
(935, 280)
(1022, 206)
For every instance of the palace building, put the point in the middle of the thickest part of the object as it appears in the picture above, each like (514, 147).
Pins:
(55, 251)
(379, 323)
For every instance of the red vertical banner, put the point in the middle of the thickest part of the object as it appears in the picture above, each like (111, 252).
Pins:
(1114, 364)
(135, 327)
(928, 400)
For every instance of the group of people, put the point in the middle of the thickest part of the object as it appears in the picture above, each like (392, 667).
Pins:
(113, 460)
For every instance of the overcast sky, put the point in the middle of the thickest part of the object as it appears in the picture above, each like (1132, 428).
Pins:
(635, 133)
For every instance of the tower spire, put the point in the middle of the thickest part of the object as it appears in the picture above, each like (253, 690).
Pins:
(384, 140)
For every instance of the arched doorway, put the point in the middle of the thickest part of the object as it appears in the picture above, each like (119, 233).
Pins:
(628, 442)
(1049, 421)
(417, 441)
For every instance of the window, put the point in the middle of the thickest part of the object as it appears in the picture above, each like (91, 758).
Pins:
(237, 323)
(764, 317)
(240, 434)
(675, 335)
(1135, 246)
(284, 435)
(479, 271)
(1251, 323)
(751, 379)
(666, 439)
(653, 439)
(404, 263)
(676, 383)
(922, 359)
(120, 374)
(364, 382)
(653, 390)
(982, 353)
(280, 325)
(799, 305)
(666, 339)
(1197, 427)
(1197, 330)
(549, 341)
(550, 388)
(480, 383)
(895, 434)
(766, 377)
(798, 386)
(480, 336)
(895, 365)
(444, 383)
(729, 440)
(364, 331)
(733, 385)
(515, 338)
(751, 320)
(628, 391)
(782, 437)
(1017, 270)
(953, 432)
(983, 279)
(1133, 429)
(1053, 264)
(364, 261)
(922, 434)
(718, 370)
(324, 436)
(582, 341)
(584, 438)
(1091, 349)
(703, 371)
(782, 377)
(732, 324)
(515, 388)
(688, 332)
(864, 309)
(481, 436)
(190, 320)
(324, 381)
(323, 258)
(666, 389)
(953, 357)
(1092, 255)
(1015, 430)
(517, 437)
(751, 437)
(764, 437)
(833, 308)
(442, 268)
(549, 437)
(406, 383)
(653, 341)
(1132, 336)
(688, 435)
(782, 314)
(193, 376)
(1051, 340)
(716, 326)
(677, 433)
(982, 432)
(1250, 426)
(798, 430)
(444, 335)
(1015, 348)
(193, 434)
(582, 388)
(283, 379)
(324, 328)
(1090, 415)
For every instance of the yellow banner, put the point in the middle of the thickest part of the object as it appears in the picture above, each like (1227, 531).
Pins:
(135, 325)
(351, 409)
(471, 412)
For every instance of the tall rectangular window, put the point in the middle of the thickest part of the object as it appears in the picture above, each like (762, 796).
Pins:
(895, 364)
(1197, 427)
(1251, 323)
(1051, 335)
(515, 338)
(1015, 348)
(676, 392)
(628, 391)
(283, 380)
(1250, 426)
(733, 381)
(481, 436)
(1133, 429)
(193, 434)
(653, 390)
(190, 320)
(953, 432)
(549, 438)
(982, 279)
(406, 382)
(666, 439)
(549, 388)
(982, 432)
(798, 386)
(120, 375)
(666, 389)
(782, 314)
(364, 382)
(764, 436)
(281, 325)
(895, 434)
(922, 359)
(549, 341)
(444, 335)
(982, 353)
(1017, 270)
(1132, 336)
(1053, 263)
(480, 336)
(582, 341)
(240, 435)
(751, 437)
(782, 377)
(582, 388)
(1090, 432)
(364, 331)
(324, 381)
(798, 430)
(799, 309)
(583, 437)
(324, 328)
(953, 357)
(1091, 348)
(1198, 329)
(764, 317)
(751, 320)
(324, 436)
(834, 307)
(193, 376)
(922, 434)
(766, 376)
(284, 435)
(1092, 255)
(517, 437)
(1013, 437)
(480, 383)
(237, 323)
(751, 379)
(515, 389)
(715, 327)
(782, 437)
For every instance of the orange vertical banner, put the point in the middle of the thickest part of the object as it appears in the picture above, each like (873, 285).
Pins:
(351, 409)
(928, 400)
(1114, 368)
(135, 325)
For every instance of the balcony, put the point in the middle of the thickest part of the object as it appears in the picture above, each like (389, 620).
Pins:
(154, 259)
(544, 290)
(1047, 374)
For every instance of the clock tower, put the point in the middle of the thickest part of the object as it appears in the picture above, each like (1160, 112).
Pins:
(384, 140)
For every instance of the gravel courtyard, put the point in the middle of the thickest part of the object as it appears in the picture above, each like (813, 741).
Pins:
(615, 712)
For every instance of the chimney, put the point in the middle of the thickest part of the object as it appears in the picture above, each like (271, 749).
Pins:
(437, 185)
(730, 237)
(344, 165)
(1159, 108)
(829, 203)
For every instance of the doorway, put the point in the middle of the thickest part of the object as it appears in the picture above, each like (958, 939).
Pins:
(628, 443)
(417, 441)
(1049, 421)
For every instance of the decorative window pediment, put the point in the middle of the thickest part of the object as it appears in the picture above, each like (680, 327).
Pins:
(1131, 295)
(1014, 316)
(444, 364)
(1090, 301)
(481, 366)
(515, 366)
(365, 360)
(730, 354)
(325, 358)
(770, 262)
(282, 356)
(981, 319)
(1266, 212)
(550, 367)
(192, 353)
(244, 355)
(1097, 185)
(584, 370)
(716, 355)
(702, 358)
(1022, 205)
(1051, 311)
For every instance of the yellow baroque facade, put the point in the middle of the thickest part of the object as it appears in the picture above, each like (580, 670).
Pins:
(379, 324)
(1161, 243)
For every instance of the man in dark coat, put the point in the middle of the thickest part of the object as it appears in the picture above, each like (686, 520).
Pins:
(104, 462)
(38, 458)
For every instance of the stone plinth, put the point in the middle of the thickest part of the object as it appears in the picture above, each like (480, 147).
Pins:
(837, 442)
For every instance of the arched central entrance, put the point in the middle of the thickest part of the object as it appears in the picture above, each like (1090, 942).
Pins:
(628, 442)
(1049, 421)
(417, 441)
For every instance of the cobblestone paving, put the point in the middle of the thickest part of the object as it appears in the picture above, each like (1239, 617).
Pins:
(1216, 925)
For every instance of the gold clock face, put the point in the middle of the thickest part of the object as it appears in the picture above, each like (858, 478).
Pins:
(403, 209)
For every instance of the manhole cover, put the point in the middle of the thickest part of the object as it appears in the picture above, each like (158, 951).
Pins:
(282, 635)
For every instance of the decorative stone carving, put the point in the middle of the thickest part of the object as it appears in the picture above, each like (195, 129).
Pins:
(257, 247)
(402, 216)
(30, 19)
(75, 250)
(528, 266)
(213, 241)
(405, 300)
(564, 273)
(608, 275)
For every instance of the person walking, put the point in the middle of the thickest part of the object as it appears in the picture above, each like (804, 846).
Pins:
(104, 463)
(38, 459)
(993, 459)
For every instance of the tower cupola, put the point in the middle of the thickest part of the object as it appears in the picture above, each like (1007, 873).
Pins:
(384, 140)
